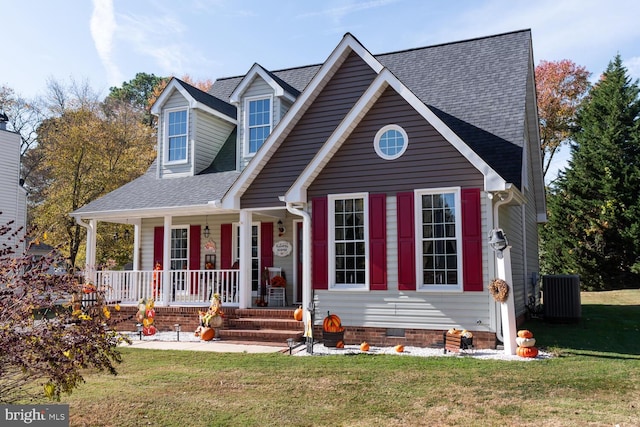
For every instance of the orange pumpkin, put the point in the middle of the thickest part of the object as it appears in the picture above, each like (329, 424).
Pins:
(364, 346)
(523, 333)
(527, 351)
(340, 344)
(297, 315)
(332, 323)
(207, 334)
(88, 288)
(399, 348)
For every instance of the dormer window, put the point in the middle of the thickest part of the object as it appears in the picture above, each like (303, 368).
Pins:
(176, 140)
(258, 123)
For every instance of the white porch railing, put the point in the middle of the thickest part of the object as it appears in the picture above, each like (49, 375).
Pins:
(186, 287)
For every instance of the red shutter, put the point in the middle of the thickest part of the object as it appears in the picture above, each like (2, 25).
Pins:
(320, 243)
(266, 244)
(406, 242)
(472, 240)
(194, 255)
(377, 242)
(158, 246)
(226, 246)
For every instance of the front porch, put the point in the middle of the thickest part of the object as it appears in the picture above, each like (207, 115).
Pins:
(182, 287)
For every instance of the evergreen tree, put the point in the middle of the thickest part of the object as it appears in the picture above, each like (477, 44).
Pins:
(594, 209)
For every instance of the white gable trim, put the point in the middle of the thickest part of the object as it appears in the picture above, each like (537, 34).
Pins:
(298, 191)
(258, 71)
(174, 85)
(348, 44)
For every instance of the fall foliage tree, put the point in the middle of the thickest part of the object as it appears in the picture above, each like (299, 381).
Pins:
(48, 337)
(593, 207)
(88, 149)
(560, 87)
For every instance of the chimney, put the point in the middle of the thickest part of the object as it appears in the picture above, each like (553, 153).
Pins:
(3, 121)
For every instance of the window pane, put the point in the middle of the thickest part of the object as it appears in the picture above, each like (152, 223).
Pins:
(259, 123)
(439, 239)
(350, 245)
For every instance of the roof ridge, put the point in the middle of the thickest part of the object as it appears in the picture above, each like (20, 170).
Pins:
(453, 43)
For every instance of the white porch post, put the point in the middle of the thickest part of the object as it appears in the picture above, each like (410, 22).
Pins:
(166, 261)
(507, 308)
(90, 251)
(136, 244)
(246, 218)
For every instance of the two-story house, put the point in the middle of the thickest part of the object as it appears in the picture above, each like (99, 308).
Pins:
(371, 181)
(13, 197)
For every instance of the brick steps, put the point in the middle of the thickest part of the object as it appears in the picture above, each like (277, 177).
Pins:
(261, 325)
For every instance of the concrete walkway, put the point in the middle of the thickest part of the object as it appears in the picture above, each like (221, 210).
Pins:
(217, 346)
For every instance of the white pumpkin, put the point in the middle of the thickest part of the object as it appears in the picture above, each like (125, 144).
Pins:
(525, 342)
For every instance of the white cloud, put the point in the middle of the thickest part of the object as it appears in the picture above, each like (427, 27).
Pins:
(103, 27)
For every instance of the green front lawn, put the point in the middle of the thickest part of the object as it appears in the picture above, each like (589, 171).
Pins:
(595, 380)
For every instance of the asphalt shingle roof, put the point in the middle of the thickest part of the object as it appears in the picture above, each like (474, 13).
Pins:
(476, 87)
(209, 100)
(149, 192)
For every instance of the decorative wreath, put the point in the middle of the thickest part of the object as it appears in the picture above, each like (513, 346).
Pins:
(499, 290)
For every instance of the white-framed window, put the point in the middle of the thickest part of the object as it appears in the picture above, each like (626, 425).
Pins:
(257, 123)
(438, 239)
(176, 131)
(348, 241)
(255, 251)
(390, 142)
(179, 256)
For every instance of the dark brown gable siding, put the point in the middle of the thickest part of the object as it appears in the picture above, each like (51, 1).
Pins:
(430, 161)
(310, 133)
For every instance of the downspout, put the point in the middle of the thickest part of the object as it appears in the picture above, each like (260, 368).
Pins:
(496, 206)
(306, 255)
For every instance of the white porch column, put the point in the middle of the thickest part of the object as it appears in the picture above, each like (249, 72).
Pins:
(137, 238)
(246, 218)
(507, 308)
(166, 260)
(90, 251)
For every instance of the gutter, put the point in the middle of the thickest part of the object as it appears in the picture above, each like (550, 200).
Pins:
(306, 254)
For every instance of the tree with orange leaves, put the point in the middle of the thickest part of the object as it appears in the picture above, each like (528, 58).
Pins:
(560, 87)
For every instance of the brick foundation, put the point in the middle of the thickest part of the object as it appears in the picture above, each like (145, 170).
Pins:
(412, 337)
(164, 320)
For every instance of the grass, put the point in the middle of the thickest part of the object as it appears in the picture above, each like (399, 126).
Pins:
(595, 381)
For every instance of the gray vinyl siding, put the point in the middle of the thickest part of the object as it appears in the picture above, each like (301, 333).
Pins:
(310, 133)
(13, 197)
(211, 134)
(176, 100)
(412, 309)
(429, 161)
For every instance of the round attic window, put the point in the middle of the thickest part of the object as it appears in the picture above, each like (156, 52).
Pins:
(391, 142)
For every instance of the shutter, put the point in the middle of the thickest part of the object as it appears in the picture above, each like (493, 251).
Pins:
(194, 255)
(406, 242)
(320, 244)
(472, 240)
(377, 242)
(226, 246)
(158, 246)
(266, 245)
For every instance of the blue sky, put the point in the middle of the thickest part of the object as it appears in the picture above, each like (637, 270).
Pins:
(106, 42)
